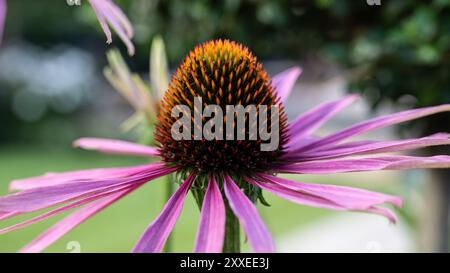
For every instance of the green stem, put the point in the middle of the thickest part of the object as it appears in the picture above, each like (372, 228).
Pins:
(169, 191)
(232, 242)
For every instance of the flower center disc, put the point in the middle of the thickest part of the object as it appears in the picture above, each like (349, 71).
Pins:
(221, 73)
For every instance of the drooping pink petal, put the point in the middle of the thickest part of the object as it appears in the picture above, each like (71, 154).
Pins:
(211, 230)
(125, 32)
(109, 13)
(51, 179)
(101, 19)
(7, 215)
(43, 197)
(328, 196)
(2, 18)
(114, 146)
(257, 233)
(64, 208)
(156, 234)
(308, 122)
(364, 148)
(384, 212)
(61, 228)
(122, 18)
(374, 124)
(284, 82)
(40, 198)
(349, 198)
(365, 164)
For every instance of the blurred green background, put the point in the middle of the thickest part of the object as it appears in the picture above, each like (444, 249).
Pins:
(52, 91)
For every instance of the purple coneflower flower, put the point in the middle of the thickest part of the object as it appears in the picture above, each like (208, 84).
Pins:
(107, 13)
(227, 177)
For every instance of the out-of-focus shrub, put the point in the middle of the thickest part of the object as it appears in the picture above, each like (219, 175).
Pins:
(402, 48)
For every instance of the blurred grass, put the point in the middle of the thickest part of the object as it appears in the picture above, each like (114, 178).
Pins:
(117, 228)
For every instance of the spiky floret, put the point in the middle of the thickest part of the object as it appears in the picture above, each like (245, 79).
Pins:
(221, 73)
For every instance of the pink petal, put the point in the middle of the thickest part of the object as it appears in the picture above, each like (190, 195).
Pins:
(413, 162)
(284, 82)
(2, 17)
(7, 215)
(362, 148)
(296, 196)
(211, 231)
(306, 140)
(365, 164)
(328, 196)
(156, 234)
(113, 146)
(294, 145)
(40, 198)
(257, 232)
(332, 166)
(101, 18)
(122, 18)
(384, 212)
(109, 13)
(71, 221)
(63, 209)
(43, 197)
(374, 124)
(349, 198)
(51, 179)
(308, 122)
(124, 32)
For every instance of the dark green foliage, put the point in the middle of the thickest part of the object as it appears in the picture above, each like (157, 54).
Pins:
(400, 47)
